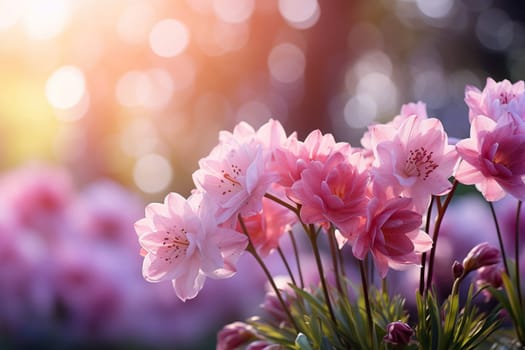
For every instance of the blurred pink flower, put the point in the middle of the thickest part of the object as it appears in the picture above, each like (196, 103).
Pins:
(392, 235)
(481, 255)
(494, 157)
(235, 335)
(415, 160)
(496, 100)
(182, 247)
(333, 191)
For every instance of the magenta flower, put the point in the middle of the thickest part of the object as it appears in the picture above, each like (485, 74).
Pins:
(333, 191)
(416, 161)
(181, 246)
(392, 235)
(494, 157)
(235, 335)
(398, 333)
(481, 255)
(497, 99)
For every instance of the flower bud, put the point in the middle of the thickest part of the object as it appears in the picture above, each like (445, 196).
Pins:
(234, 335)
(490, 275)
(481, 255)
(458, 269)
(398, 333)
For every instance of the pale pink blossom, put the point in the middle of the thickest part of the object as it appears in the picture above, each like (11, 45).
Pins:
(333, 191)
(182, 247)
(235, 177)
(496, 99)
(377, 133)
(234, 335)
(494, 158)
(415, 160)
(391, 234)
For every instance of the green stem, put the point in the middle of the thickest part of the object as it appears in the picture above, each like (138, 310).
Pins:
(441, 214)
(364, 284)
(312, 234)
(287, 266)
(297, 261)
(424, 255)
(254, 253)
(334, 253)
(500, 239)
(517, 252)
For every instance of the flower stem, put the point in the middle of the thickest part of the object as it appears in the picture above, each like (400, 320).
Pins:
(334, 253)
(500, 239)
(517, 252)
(364, 284)
(296, 253)
(441, 214)
(312, 234)
(257, 257)
(281, 202)
(286, 265)
(424, 254)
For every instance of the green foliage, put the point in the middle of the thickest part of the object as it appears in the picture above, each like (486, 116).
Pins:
(451, 327)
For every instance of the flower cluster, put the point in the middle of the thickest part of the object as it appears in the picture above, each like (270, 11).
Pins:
(378, 200)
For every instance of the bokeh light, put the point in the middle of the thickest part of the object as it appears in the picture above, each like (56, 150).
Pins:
(65, 87)
(169, 38)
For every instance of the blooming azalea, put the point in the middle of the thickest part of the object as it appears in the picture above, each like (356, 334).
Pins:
(293, 156)
(333, 191)
(415, 160)
(496, 99)
(392, 234)
(494, 157)
(235, 177)
(181, 247)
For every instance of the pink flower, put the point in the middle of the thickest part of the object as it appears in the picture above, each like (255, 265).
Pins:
(293, 156)
(183, 247)
(398, 333)
(235, 335)
(415, 160)
(497, 99)
(333, 191)
(375, 134)
(392, 235)
(235, 176)
(494, 157)
(267, 227)
(481, 255)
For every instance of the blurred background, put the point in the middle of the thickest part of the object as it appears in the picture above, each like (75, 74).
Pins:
(108, 105)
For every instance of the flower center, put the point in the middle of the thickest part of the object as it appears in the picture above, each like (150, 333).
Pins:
(505, 98)
(229, 180)
(175, 240)
(420, 163)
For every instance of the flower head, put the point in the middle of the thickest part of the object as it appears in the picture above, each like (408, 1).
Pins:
(392, 235)
(333, 191)
(234, 335)
(494, 157)
(414, 159)
(496, 100)
(481, 255)
(183, 247)
(398, 333)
